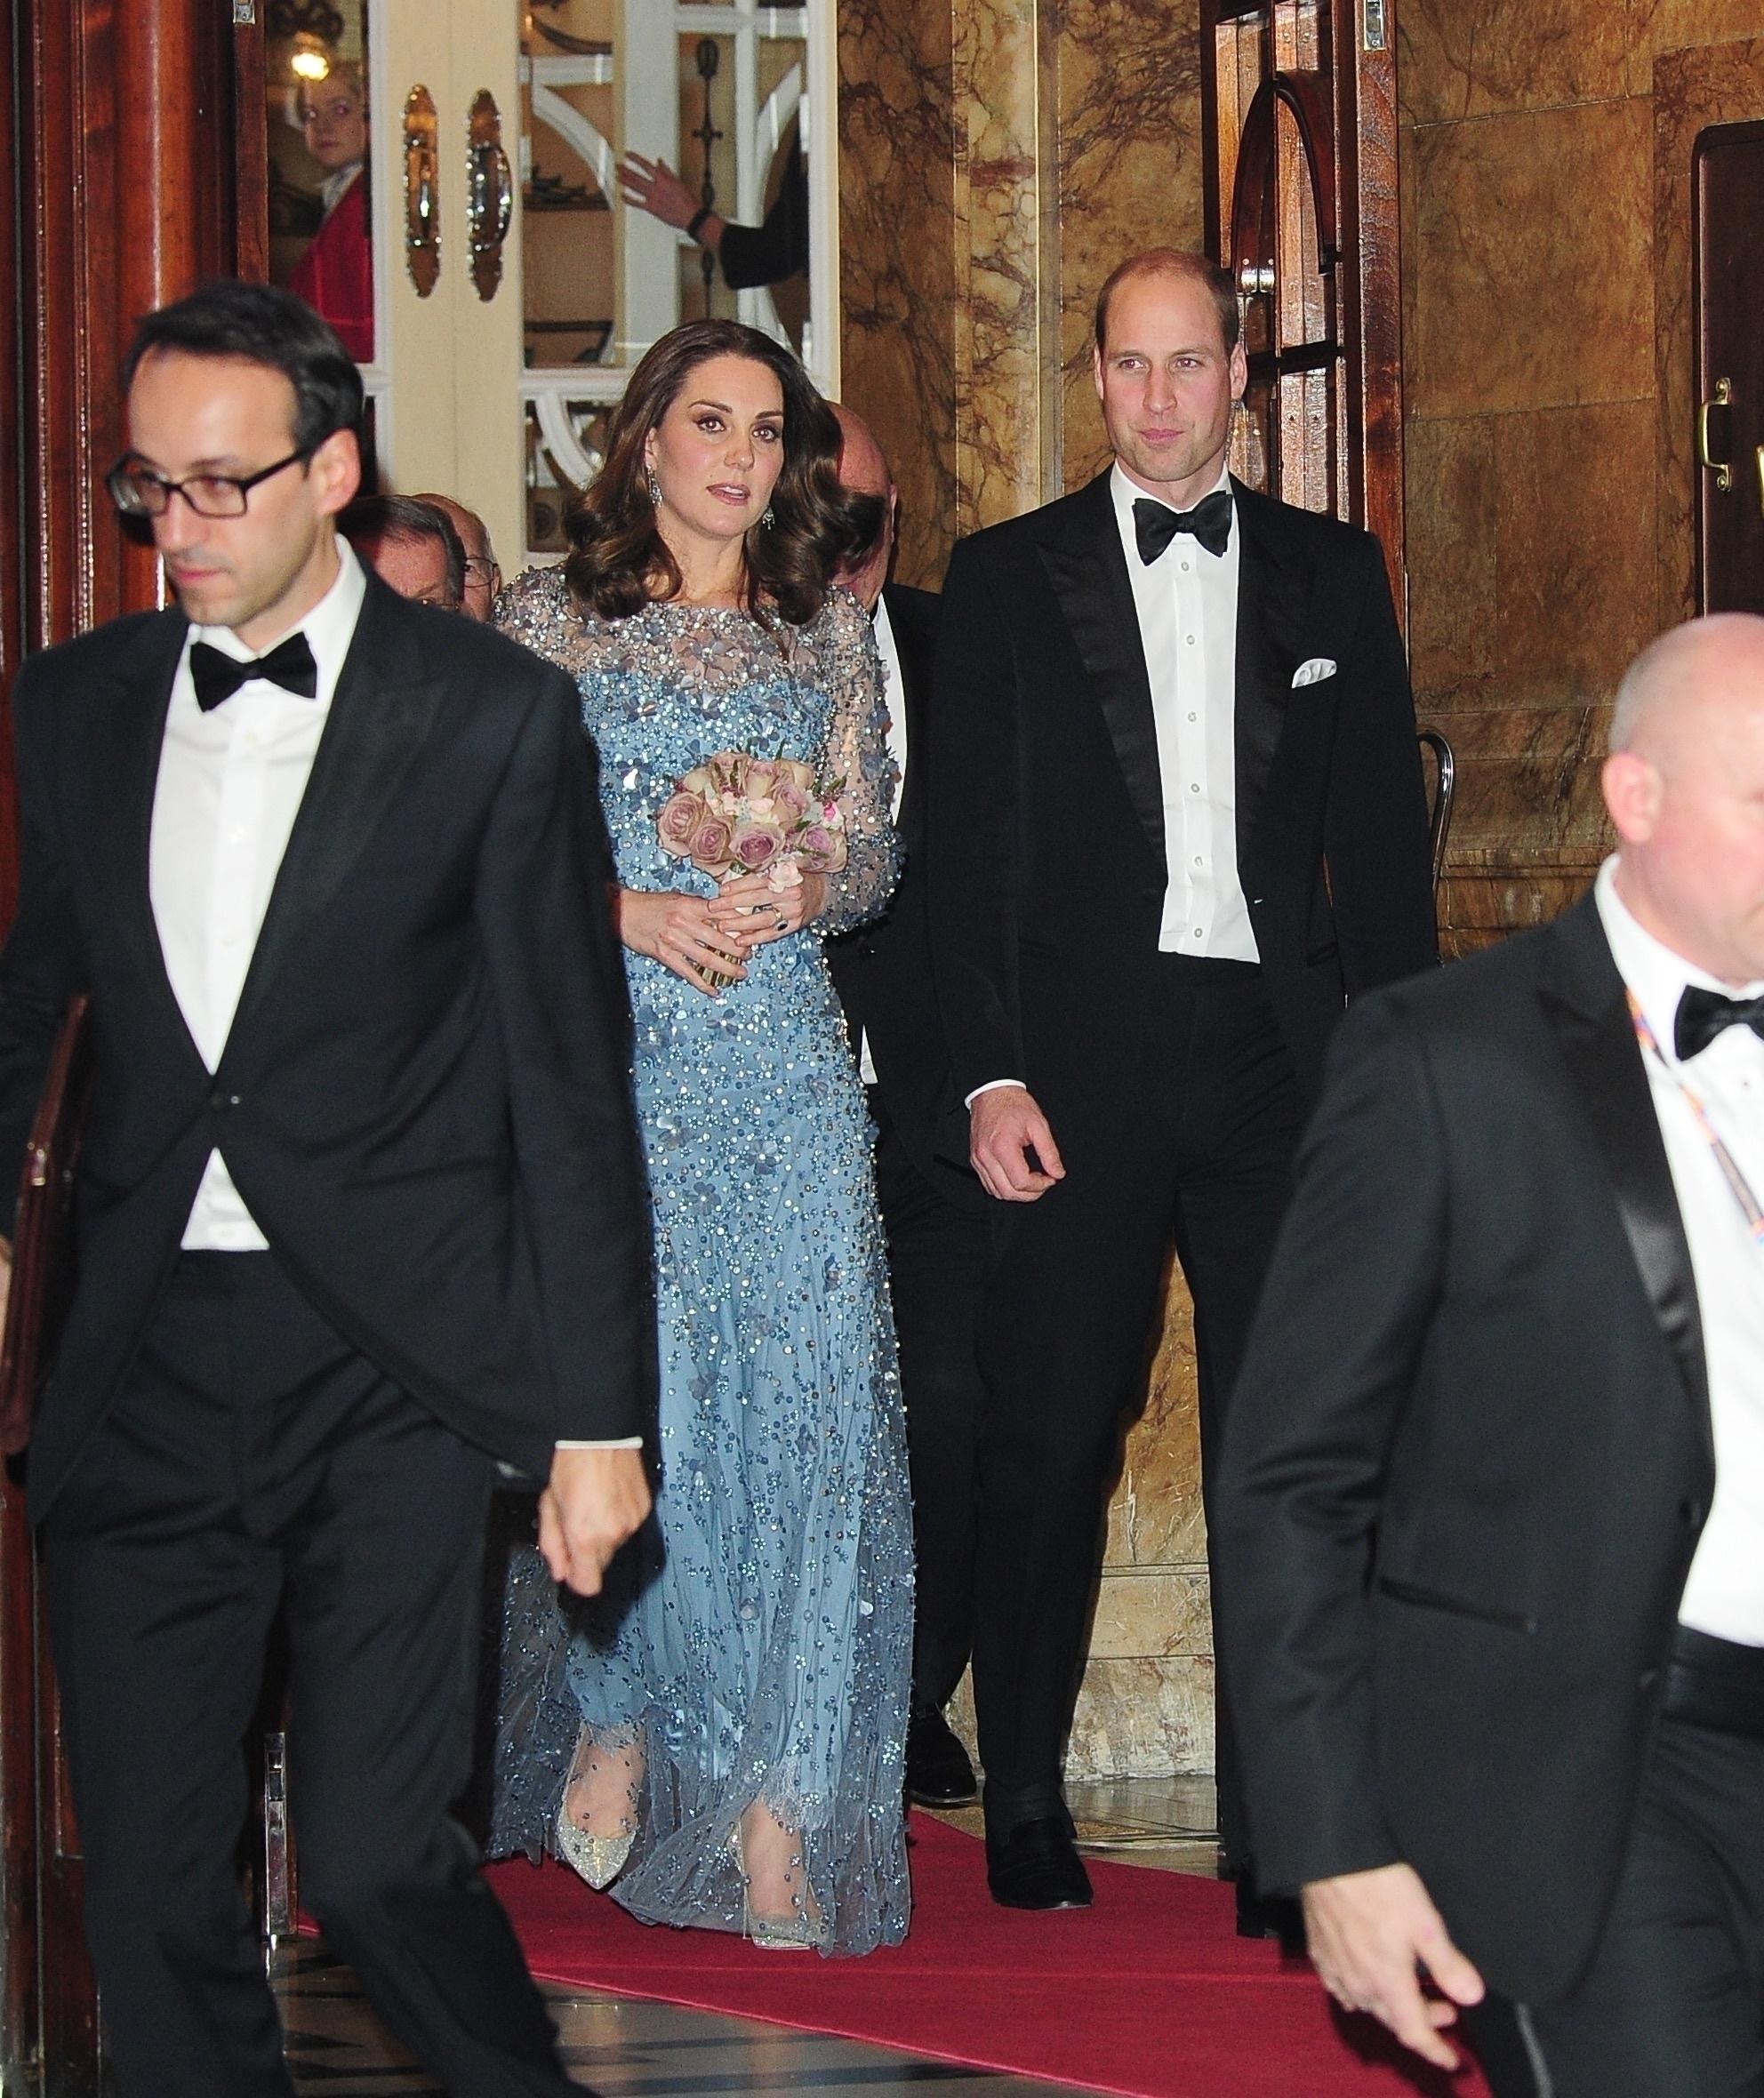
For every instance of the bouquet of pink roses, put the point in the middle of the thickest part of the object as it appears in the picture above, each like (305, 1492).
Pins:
(735, 814)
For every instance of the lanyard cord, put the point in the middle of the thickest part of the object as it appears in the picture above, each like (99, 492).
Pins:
(1749, 1208)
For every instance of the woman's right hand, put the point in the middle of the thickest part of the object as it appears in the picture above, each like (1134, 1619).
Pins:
(678, 930)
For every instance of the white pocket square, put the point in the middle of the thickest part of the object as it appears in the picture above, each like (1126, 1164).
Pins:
(1313, 672)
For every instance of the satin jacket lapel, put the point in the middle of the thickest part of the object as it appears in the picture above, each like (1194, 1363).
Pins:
(1088, 572)
(1274, 586)
(1587, 1010)
(128, 716)
(378, 712)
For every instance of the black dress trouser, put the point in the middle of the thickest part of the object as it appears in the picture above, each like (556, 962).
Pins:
(1184, 1129)
(254, 1461)
(939, 1255)
(1673, 2005)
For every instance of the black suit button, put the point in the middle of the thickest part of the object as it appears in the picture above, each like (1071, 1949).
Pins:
(219, 1099)
(1690, 1512)
(1647, 1679)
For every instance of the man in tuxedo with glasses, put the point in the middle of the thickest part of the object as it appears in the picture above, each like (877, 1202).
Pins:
(361, 1212)
(1176, 821)
(1492, 1512)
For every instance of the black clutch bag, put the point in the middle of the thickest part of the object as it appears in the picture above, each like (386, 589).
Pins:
(43, 1241)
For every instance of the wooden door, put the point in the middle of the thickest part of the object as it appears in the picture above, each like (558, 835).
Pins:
(1727, 193)
(1299, 99)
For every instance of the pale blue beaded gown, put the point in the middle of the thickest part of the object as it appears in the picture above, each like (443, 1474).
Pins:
(756, 1643)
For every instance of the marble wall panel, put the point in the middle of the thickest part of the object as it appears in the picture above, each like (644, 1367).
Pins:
(897, 276)
(1452, 517)
(1152, 1613)
(1472, 58)
(1476, 58)
(1154, 1513)
(1148, 1718)
(1127, 79)
(1576, 550)
(1528, 241)
(1000, 177)
(1718, 83)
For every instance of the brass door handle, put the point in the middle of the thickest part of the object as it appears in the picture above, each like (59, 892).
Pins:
(422, 222)
(490, 193)
(1722, 472)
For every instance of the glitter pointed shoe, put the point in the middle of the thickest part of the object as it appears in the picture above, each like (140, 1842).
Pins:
(598, 1859)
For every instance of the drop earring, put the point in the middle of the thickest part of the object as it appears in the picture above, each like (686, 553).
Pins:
(654, 489)
(768, 520)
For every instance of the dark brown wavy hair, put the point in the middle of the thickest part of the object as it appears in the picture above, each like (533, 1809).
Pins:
(617, 560)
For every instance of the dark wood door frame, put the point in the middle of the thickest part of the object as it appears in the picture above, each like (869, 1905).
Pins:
(1728, 374)
(116, 193)
(1361, 40)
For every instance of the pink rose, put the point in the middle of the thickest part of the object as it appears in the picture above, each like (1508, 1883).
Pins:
(789, 800)
(756, 846)
(711, 844)
(822, 849)
(801, 775)
(762, 774)
(679, 818)
(698, 780)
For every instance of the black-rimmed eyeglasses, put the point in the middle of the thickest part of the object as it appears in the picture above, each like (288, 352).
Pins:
(138, 491)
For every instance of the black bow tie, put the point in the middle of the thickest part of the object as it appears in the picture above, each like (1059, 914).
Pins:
(1155, 525)
(217, 677)
(1703, 1014)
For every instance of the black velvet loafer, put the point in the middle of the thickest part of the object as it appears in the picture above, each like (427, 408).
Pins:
(1037, 1866)
(939, 1773)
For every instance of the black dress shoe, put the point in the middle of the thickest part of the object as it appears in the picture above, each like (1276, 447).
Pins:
(1271, 1915)
(938, 1771)
(1037, 1866)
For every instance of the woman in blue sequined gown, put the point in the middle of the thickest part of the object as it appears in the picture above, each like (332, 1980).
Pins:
(723, 1731)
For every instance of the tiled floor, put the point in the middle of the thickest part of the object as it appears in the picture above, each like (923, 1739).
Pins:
(624, 2048)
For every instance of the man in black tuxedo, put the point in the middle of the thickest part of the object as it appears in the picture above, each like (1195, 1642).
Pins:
(1176, 821)
(934, 1212)
(1493, 1493)
(361, 1211)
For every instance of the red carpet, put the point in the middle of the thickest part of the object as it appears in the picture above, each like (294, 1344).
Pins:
(1150, 1993)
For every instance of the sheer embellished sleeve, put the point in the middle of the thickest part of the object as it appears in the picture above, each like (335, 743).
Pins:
(857, 751)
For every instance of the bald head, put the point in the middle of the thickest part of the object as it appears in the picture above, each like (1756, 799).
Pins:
(1685, 787)
(863, 468)
(484, 579)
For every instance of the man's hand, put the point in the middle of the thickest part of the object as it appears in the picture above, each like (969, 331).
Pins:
(596, 1499)
(1011, 1146)
(1368, 1933)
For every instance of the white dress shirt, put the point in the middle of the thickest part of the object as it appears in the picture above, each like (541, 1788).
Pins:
(230, 784)
(230, 787)
(1724, 1594)
(1187, 603)
(888, 649)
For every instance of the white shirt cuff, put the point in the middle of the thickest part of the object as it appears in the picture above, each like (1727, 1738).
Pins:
(994, 1086)
(623, 1442)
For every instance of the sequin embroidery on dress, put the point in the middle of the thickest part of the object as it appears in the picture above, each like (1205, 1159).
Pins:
(747, 1672)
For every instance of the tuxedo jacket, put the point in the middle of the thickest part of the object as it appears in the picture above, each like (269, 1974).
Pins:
(424, 1098)
(1047, 854)
(883, 971)
(1469, 1458)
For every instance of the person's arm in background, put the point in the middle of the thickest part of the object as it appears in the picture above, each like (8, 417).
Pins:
(558, 979)
(974, 839)
(1360, 1258)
